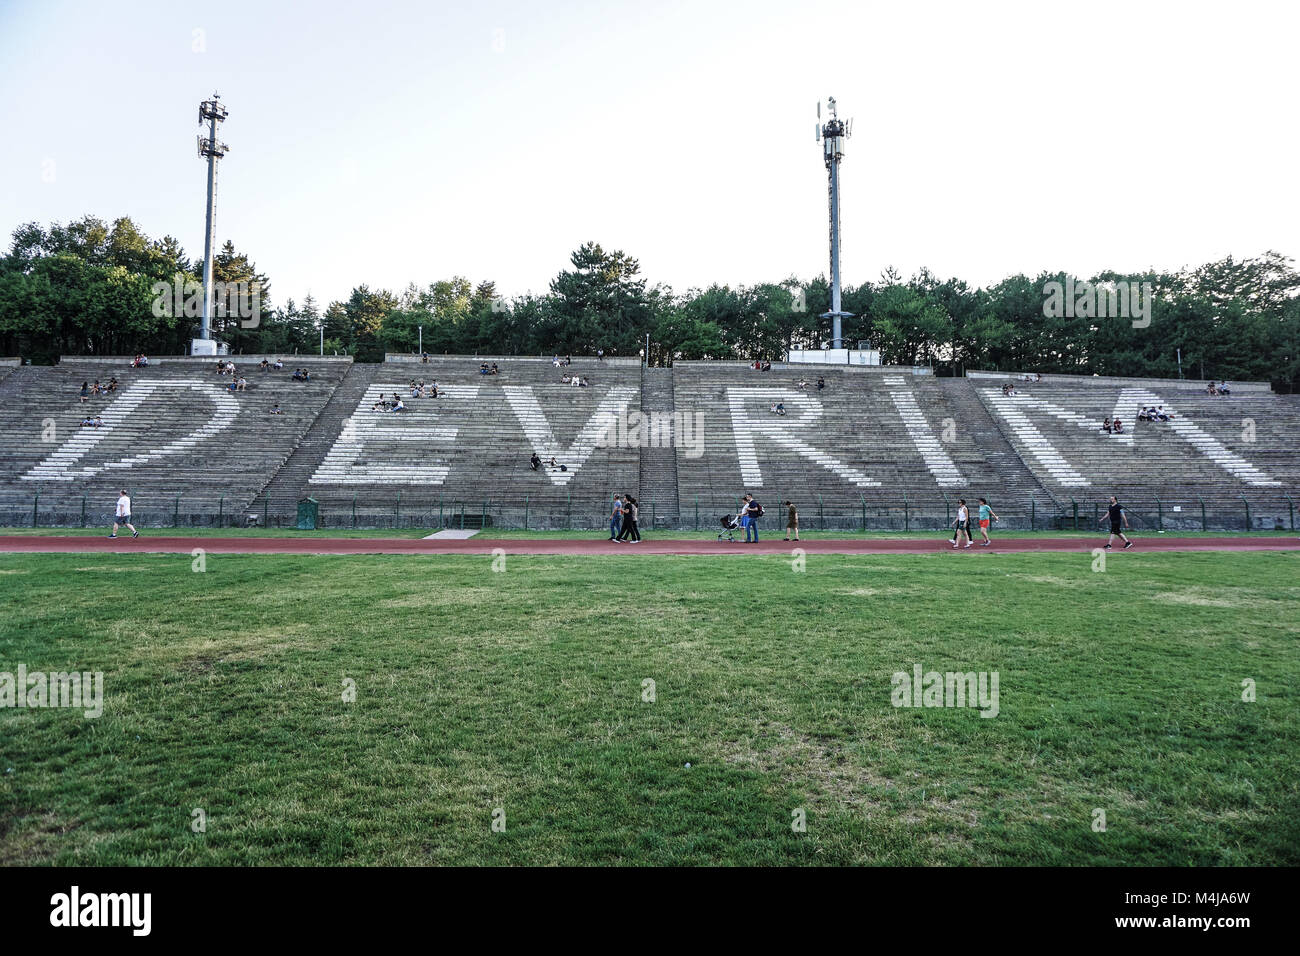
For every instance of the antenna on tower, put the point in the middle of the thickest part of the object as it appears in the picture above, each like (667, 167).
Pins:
(832, 135)
(211, 112)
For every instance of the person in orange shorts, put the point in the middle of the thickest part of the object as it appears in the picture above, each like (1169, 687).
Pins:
(986, 515)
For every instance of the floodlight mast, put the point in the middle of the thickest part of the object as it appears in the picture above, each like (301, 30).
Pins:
(832, 135)
(210, 112)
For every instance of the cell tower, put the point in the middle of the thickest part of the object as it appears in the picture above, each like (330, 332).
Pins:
(832, 136)
(210, 112)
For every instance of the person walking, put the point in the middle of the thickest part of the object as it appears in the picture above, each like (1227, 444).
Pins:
(791, 521)
(1116, 514)
(615, 518)
(986, 515)
(755, 511)
(963, 525)
(122, 516)
(630, 514)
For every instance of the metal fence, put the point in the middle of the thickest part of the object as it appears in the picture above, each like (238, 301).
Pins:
(866, 513)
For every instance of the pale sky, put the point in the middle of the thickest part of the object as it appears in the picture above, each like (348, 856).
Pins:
(385, 143)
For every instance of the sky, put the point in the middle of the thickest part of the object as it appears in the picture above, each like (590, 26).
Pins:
(388, 143)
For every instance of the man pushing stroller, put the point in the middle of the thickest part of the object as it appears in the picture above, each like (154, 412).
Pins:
(750, 512)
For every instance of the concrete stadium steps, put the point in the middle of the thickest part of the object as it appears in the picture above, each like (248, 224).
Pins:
(657, 497)
(469, 449)
(173, 435)
(279, 498)
(985, 377)
(873, 436)
(15, 381)
(1218, 449)
(1018, 483)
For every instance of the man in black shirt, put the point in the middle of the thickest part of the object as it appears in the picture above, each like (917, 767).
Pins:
(1116, 514)
(752, 511)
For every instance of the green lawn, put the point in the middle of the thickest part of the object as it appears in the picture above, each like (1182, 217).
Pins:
(522, 690)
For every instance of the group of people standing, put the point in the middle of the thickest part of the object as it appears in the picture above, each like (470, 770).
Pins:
(623, 520)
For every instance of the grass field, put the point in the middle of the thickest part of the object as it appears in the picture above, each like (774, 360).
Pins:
(523, 690)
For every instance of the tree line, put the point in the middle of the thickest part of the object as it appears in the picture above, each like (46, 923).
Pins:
(91, 288)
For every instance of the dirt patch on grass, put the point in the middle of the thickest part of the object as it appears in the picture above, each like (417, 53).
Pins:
(108, 570)
(443, 597)
(201, 654)
(1058, 581)
(28, 840)
(1195, 598)
(873, 592)
(832, 777)
(820, 768)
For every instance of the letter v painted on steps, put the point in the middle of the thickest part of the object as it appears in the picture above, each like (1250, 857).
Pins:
(537, 429)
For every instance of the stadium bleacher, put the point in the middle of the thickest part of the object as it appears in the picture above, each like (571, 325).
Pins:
(871, 436)
(189, 449)
(1223, 450)
(465, 454)
(878, 446)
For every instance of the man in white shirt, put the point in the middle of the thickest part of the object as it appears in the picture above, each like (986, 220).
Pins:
(123, 515)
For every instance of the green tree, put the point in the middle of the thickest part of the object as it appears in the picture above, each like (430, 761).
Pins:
(600, 303)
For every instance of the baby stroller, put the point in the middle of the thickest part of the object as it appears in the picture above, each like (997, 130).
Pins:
(729, 524)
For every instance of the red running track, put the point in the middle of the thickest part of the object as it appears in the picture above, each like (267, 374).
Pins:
(600, 546)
